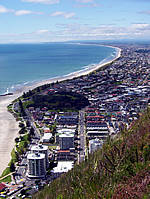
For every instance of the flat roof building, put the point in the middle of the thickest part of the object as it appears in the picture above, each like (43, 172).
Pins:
(46, 138)
(63, 166)
(66, 141)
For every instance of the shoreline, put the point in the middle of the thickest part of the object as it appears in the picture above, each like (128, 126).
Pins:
(8, 125)
(69, 76)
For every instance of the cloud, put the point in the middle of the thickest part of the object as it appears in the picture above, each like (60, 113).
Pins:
(25, 12)
(69, 15)
(75, 31)
(87, 5)
(82, 32)
(146, 12)
(85, 1)
(17, 12)
(42, 1)
(63, 14)
(42, 31)
(58, 13)
(140, 26)
(4, 9)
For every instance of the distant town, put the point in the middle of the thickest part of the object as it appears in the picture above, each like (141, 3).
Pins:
(51, 141)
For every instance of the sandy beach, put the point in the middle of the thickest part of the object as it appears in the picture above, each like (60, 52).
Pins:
(8, 132)
(8, 125)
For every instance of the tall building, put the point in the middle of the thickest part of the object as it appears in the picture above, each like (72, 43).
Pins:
(41, 149)
(94, 145)
(36, 165)
(66, 141)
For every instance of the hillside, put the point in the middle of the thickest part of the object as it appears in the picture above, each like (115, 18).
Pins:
(120, 170)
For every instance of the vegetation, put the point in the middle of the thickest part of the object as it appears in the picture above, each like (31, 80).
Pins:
(6, 172)
(58, 101)
(120, 170)
(14, 156)
(22, 145)
(36, 90)
(7, 179)
(10, 168)
(22, 110)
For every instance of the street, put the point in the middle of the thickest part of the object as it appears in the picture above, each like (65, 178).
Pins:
(82, 137)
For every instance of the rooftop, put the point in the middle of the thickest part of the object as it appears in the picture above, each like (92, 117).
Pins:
(35, 156)
(63, 166)
(40, 147)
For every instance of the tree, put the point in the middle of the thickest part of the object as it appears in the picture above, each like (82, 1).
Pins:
(17, 156)
(32, 133)
(29, 137)
(38, 89)
(21, 125)
(28, 123)
(24, 95)
(22, 131)
(22, 111)
(23, 192)
(16, 140)
(12, 167)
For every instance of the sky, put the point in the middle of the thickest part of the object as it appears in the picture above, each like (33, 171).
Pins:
(64, 20)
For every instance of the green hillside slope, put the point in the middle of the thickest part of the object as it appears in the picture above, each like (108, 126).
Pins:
(121, 170)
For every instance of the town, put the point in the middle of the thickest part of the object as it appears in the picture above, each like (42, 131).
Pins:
(58, 139)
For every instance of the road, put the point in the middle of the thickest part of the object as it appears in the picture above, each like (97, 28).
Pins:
(36, 130)
(82, 137)
(21, 171)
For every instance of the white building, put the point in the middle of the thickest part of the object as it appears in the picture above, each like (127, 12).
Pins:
(66, 130)
(36, 165)
(63, 166)
(46, 138)
(94, 145)
(41, 149)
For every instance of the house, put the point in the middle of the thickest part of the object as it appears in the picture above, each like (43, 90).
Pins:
(2, 187)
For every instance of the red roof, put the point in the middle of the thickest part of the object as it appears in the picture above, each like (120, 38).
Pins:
(96, 116)
(94, 122)
(2, 186)
(63, 151)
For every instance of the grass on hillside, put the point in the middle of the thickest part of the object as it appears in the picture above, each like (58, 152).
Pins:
(5, 172)
(120, 170)
(7, 179)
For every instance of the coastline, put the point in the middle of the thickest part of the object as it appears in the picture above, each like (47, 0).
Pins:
(71, 75)
(8, 125)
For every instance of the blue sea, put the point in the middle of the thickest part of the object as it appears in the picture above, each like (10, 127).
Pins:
(25, 64)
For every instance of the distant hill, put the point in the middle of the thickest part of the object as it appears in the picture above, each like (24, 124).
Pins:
(121, 170)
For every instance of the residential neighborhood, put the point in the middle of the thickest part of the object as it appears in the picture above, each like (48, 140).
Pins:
(117, 95)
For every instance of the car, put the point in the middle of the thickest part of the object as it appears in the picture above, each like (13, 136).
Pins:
(2, 196)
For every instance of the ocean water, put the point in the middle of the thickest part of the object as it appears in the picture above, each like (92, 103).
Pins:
(23, 64)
